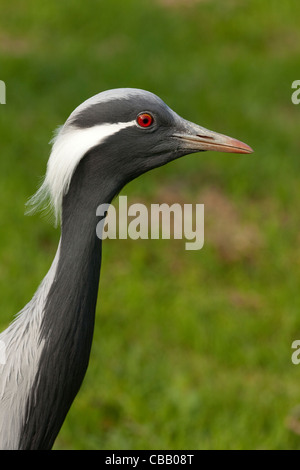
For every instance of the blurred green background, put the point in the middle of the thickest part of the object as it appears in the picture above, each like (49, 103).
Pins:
(192, 349)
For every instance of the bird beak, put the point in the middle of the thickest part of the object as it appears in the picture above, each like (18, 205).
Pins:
(196, 138)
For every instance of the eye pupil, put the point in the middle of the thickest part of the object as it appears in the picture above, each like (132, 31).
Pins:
(144, 120)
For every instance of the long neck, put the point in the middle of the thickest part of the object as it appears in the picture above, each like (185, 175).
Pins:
(68, 321)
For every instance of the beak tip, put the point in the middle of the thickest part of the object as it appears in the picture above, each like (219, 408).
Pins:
(245, 149)
(239, 147)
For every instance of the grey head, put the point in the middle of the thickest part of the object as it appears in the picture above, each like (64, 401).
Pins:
(125, 132)
(156, 135)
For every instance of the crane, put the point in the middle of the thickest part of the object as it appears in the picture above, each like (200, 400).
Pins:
(106, 142)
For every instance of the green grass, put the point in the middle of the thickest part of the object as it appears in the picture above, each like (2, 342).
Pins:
(191, 349)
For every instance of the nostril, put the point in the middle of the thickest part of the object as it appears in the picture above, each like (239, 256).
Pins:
(205, 137)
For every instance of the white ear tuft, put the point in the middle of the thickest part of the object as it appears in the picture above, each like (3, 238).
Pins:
(70, 145)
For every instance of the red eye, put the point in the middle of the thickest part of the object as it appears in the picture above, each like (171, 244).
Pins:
(144, 120)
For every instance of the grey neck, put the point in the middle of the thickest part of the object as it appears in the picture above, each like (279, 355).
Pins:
(68, 321)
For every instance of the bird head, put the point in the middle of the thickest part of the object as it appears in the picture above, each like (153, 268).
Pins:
(128, 132)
